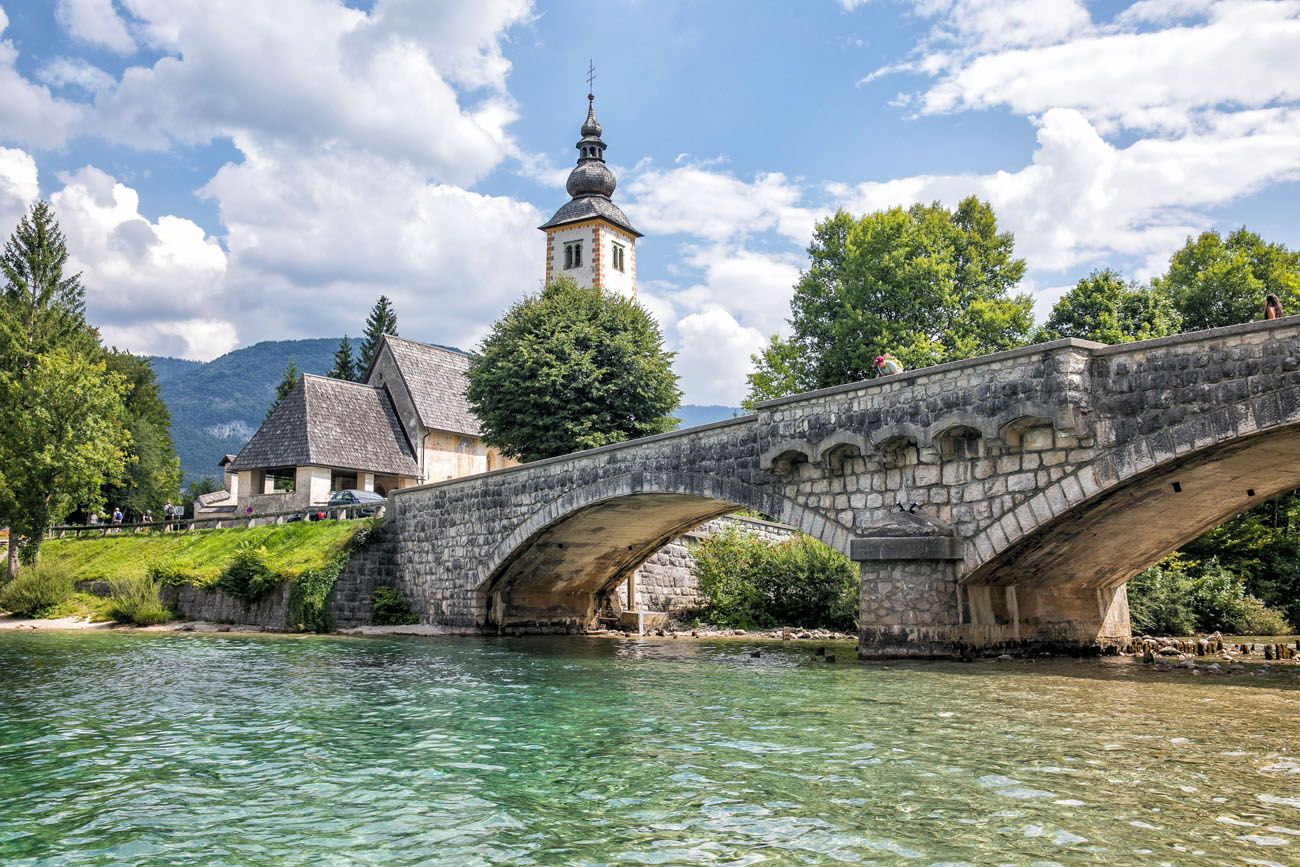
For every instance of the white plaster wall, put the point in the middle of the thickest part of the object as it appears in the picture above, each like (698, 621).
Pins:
(623, 282)
(586, 275)
(315, 483)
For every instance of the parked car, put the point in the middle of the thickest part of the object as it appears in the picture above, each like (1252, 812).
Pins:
(357, 504)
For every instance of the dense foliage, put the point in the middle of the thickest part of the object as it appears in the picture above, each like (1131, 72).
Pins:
(345, 366)
(153, 471)
(571, 368)
(62, 430)
(137, 600)
(1105, 308)
(37, 590)
(1181, 597)
(928, 284)
(247, 576)
(754, 584)
(1216, 281)
(388, 608)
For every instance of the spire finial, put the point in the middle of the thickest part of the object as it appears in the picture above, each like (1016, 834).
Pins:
(591, 76)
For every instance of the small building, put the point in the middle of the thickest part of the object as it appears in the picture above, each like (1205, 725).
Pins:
(326, 435)
(224, 501)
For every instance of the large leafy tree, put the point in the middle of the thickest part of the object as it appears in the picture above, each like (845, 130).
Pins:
(1216, 281)
(382, 320)
(1105, 308)
(571, 368)
(61, 431)
(153, 471)
(345, 366)
(926, 283)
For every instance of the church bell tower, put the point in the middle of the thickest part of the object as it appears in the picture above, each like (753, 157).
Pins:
(590, 238)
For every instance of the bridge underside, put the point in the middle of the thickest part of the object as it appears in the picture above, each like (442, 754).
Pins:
(1063, 587)
(559, 580)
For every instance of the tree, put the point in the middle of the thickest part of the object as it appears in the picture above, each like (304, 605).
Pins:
(287, 383)
(928, 284)
(776, 373)
(1104, 308)
(571, 368)
(61, 437)
(153, 471)
(1216, 281)
(43, 306)
(382, 320)
(61, 432)
(345, 366)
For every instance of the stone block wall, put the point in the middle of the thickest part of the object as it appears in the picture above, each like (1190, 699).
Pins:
(217, 606)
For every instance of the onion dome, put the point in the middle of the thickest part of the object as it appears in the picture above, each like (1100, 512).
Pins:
(591, 184)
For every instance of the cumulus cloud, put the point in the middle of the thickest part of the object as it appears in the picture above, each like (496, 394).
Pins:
(18, 187)
(314, 238)
(1238, 53)
(312, 72)
(169, 268)
(697, 200)
(29, 113)
(96, 22)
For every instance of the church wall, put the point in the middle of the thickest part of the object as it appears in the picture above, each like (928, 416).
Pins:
(586, 275)
(451, 456)
(623, 282)
(386, 373)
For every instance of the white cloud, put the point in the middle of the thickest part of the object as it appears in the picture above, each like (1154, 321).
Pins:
(981, 25)
(314, 72)
(714, 356)
(1083, 200)
(154, 287)
(29, 114)
(18, 187)
(710, 204)
(314, 238)
(1242, 53)
(96, 22)
(75, 72)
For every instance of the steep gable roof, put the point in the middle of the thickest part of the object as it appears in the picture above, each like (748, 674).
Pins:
(436, 379)
(331, 423)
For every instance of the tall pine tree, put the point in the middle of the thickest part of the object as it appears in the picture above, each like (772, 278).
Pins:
(382, 320)
(345, 366)
(290, 379)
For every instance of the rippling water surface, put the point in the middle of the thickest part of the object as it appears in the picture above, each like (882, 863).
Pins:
(160, 749)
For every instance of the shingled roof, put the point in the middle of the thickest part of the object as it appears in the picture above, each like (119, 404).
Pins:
(436, 379)
(331, 423)
(587, 208)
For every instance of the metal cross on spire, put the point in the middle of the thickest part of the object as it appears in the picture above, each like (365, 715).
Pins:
(591, 75)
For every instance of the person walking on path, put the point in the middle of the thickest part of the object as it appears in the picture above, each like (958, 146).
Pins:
(117, 519)
(1272, 307)
(888, 365)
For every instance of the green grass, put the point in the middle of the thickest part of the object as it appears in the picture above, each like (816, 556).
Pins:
(201, 555)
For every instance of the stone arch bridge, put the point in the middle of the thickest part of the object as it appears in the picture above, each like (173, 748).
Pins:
(1001, 500)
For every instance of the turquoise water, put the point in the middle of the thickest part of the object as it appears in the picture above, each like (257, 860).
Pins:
(185, 749)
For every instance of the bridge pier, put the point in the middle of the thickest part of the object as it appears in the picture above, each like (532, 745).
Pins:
(919, 608)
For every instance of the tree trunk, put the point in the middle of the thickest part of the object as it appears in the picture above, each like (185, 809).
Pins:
(13, 555)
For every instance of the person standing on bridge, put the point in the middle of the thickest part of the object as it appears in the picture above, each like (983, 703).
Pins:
(1272, 307)
(888, 365)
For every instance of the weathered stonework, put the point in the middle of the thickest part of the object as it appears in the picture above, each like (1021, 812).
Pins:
(1046, 476)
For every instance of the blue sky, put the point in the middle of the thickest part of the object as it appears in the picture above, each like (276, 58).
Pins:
(239, 171)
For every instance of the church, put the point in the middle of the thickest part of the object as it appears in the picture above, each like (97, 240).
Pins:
(408, 423)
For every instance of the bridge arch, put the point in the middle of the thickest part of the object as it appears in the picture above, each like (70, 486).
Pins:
(552, 571)
(1100, 525)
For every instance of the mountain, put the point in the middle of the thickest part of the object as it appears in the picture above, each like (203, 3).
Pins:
(216, 407)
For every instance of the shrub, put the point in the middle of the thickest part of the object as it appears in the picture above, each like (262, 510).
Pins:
(390, 609)
(751, 583)
(168, 571)
(1179, 597)
(37, 591)
(247, 577)
(310, 595)
(136, 600)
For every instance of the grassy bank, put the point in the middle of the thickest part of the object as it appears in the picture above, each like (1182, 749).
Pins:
(289, 550)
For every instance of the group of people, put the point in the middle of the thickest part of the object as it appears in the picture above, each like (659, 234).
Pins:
(118, 518)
